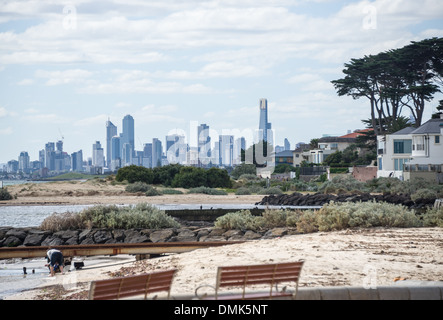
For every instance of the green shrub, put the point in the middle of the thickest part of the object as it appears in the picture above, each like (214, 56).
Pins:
(338, 216)
(5, 195)
(424, 194)
(209, 191)
(135, 174)
(272, 190)
(111, 217)
(137, 187)
(343, 182)
(274, 218)
(240, 220)
(433, 217)
(152, 192)
(243, 191)
(171, 191)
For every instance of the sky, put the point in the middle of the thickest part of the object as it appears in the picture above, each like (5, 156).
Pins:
(68, 67)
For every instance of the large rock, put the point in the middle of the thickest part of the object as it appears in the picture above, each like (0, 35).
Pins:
(102, 236)
(34, 239)
(161, 235)
(134, 236)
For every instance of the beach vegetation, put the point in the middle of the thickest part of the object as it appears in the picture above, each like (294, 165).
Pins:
(208, 191)
(335, 216)
(5, 195)
(111, 217)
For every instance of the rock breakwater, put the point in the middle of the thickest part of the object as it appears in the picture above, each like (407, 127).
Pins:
(15, 237)
(320, 199)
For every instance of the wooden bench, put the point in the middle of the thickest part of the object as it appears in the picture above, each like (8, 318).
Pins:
(244, 276)
(124, 287)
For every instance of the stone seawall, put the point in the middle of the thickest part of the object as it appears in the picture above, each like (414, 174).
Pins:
(15, 237)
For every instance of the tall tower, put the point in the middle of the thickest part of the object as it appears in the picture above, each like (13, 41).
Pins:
(264, 125)
(111, 131)
(128, 132)
(204, 144)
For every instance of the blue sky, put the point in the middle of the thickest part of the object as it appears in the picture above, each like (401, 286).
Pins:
(66, 67)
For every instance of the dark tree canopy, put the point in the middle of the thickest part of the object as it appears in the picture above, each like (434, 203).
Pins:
(395, 81)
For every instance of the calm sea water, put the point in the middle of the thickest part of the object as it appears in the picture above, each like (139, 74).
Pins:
(33, 216)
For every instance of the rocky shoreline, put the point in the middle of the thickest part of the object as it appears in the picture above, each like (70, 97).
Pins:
(15, 237)
(320, 199)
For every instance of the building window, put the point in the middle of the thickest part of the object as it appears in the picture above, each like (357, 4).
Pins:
(437, 139)
(399, 164)
(380, 164)
(402, 146)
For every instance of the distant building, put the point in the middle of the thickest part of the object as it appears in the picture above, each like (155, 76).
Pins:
(98, 159)
(24, 162)
(265, 133)
(157, 151)
(77, 161)
(111, 132)
(204, 144)
(176, 149)
(226, 153)
(128, 134)
(287, 145)
(115, 156)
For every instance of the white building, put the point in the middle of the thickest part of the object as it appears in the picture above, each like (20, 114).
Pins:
(413, 152)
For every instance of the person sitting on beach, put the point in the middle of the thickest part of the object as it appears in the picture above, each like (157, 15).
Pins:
(55, 259)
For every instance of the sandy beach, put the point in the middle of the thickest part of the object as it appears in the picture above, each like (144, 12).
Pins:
(372, 257)
(362, 257)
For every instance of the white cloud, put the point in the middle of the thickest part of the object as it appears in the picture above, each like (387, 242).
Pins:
(71, 76)
(6, 131)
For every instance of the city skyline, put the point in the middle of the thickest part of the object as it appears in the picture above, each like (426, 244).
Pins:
(66, 69)
(193, 148)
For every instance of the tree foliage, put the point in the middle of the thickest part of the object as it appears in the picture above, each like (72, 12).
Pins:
(394, 81)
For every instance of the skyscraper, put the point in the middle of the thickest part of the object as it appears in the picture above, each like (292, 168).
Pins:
(157, 151)
(128, 132)
(116, 162)
(111, 131)
(264, 126)
(226, 153)
(204, 144)
(97, 155)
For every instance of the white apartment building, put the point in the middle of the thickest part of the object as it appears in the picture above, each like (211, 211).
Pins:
(413, 152)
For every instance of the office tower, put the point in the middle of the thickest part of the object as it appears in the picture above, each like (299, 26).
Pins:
(147, 155)
(116, 161)
(240, 144)
(24, 162)
(50, 156)
(98, 155)
(226, 152)
(111, 132)
(128, 132)
(157, 151)
(264, 126)
(204, 144)
(287, 145)
(41, 157)
(127, 154)
(77, 161)
(59, 146)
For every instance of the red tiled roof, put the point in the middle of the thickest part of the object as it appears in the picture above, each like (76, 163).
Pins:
(356, 133)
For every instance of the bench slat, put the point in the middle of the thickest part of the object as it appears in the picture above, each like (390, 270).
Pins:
(132, 286)
(270, 274)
